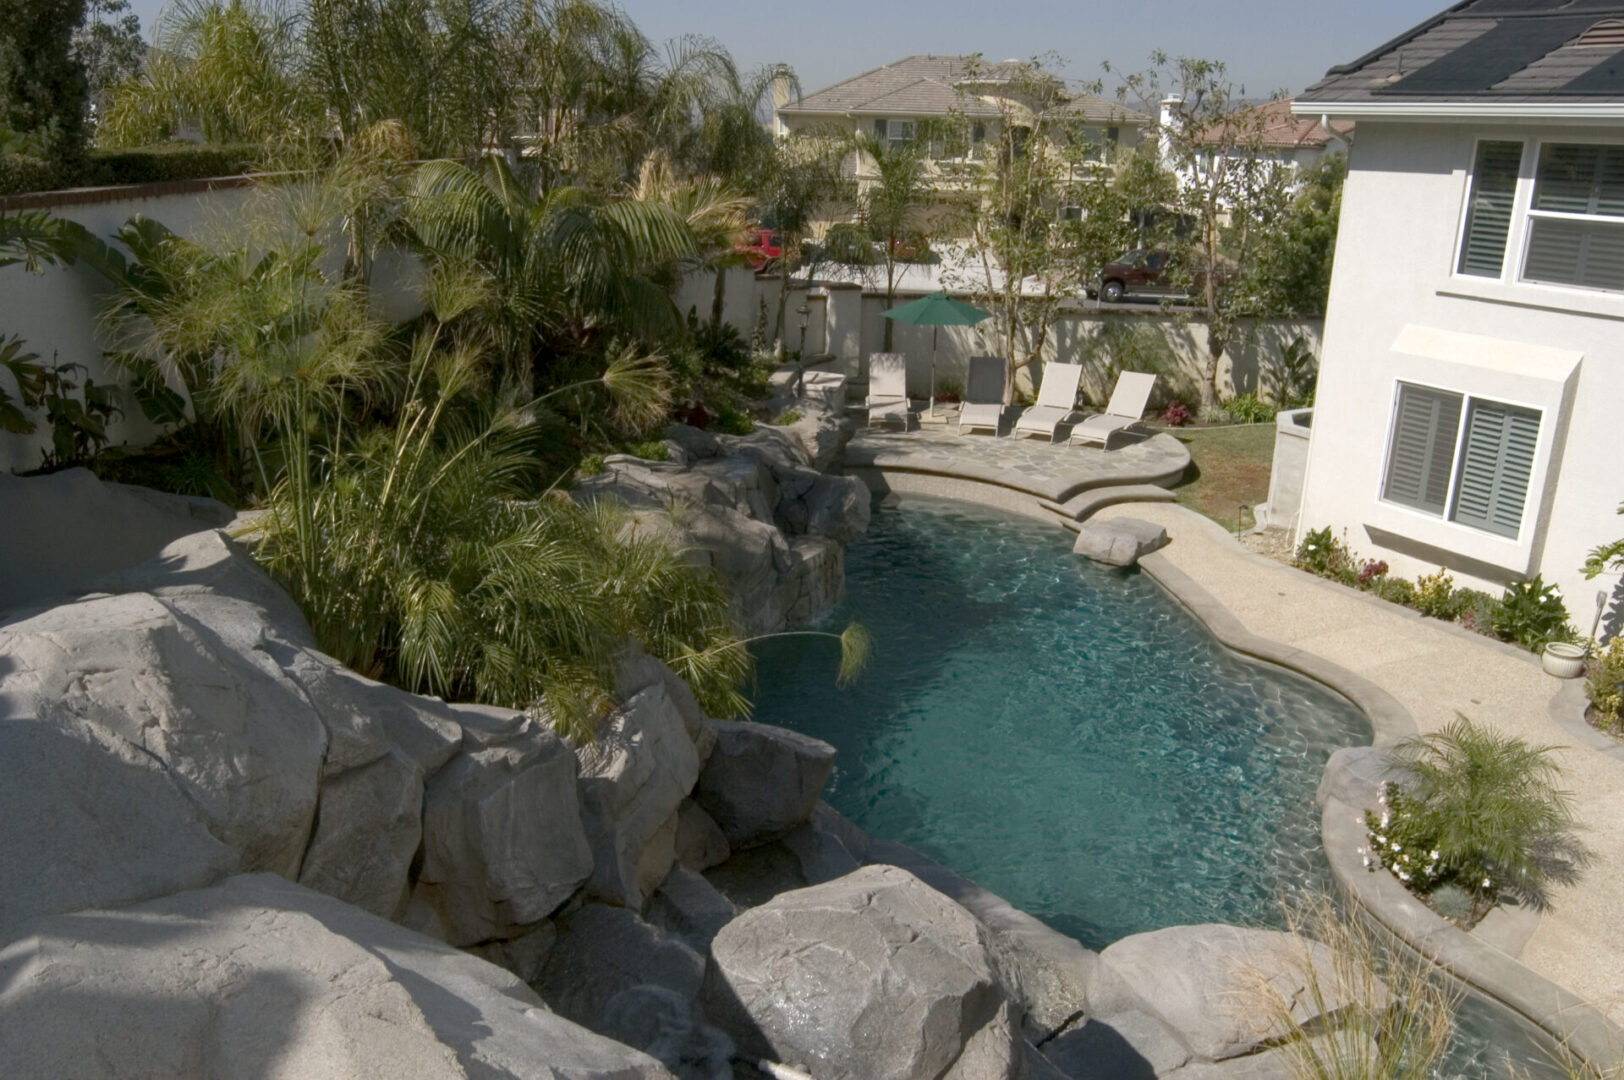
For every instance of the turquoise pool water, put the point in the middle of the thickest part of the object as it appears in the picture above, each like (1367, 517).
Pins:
(1068, 737)
(1061, 733)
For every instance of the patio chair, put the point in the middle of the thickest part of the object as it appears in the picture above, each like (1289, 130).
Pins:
(887, 389)
(1126, 408)
(983, 406)
(1057, 400)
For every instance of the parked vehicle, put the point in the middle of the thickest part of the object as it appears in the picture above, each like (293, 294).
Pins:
(1151, 272)
(1135, 273)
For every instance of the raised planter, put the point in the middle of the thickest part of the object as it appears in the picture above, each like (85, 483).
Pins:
(1563, 659)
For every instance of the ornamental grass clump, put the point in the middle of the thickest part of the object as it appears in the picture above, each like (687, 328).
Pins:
(1479, 811)
(1385, 1014)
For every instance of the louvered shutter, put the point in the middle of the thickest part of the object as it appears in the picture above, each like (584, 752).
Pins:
(1566, 252)
(1583, 179)
(1488, 215)
(1497, 458)
(1422, 452)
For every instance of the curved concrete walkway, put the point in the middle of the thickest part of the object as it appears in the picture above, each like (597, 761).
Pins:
(1435, 671)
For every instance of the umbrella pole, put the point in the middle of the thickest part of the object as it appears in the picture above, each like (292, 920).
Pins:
(933, 332)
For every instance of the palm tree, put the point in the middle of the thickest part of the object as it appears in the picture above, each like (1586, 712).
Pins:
(715, 212)
(891, 205)
(562, 266)
(1491, 808)
(229, 69)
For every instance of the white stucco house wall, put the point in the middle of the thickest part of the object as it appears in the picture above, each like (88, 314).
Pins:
(1470, 409)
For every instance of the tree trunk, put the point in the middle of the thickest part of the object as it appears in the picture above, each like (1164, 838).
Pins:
(1216, 343)
(718, 297)
(780, 346)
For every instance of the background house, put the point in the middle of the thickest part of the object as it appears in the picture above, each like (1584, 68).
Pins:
(1273, 132)
(1473, 362)
(898, 103)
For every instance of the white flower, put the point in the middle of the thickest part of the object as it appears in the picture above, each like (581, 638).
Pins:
(1435, 853)
(1487, 883)
(1402, 876)
(1397, 847)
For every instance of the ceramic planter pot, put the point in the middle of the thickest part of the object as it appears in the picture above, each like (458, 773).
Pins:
(1564, 660)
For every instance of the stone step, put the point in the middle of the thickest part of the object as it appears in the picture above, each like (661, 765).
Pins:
(1084, 504)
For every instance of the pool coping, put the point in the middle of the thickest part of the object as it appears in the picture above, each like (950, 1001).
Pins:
(1570, 1022)
(1566, 1018)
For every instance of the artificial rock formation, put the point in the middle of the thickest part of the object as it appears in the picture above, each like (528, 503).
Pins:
(874, 976)
(260, 977)
(755, 507)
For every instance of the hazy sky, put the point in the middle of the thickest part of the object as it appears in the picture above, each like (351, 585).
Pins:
(1267, 44)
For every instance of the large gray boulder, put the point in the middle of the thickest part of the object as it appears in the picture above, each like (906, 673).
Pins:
(258, 975)
(60, 531)
(1119, 541)
(185, 721)
(690, 907)
(634, 777)
(762, 781)
(875, 976)
(503, 841)
(603, 951)
(1210, 984)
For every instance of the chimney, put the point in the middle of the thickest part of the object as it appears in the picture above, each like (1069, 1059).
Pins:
(783, 94)
(1171, 119)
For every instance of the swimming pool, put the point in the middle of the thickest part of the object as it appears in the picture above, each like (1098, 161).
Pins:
(1062, 733)
(1067, 736)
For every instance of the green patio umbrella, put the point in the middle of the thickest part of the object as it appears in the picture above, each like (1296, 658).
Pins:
(936, 311)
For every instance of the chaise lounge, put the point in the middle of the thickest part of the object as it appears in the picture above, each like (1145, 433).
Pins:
(1057, 400)
(1126, 408)
(983, 408)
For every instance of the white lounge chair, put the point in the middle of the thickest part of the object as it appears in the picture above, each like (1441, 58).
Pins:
(1126, 408)
(983, 406)
(887, 389)
(1057, 400)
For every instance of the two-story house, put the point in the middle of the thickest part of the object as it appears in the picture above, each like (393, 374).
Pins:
(1472, 378)
(898, 102)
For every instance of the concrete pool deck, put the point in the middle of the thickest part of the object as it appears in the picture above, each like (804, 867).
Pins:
(1434, 671)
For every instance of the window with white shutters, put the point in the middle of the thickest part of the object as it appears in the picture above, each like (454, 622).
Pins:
(1474, 473)
(1496, 459)
(1488, 208)
(1422, 453)
(1576, 218)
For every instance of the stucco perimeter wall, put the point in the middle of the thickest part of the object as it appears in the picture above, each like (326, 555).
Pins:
(1398, 312)
(56, 313)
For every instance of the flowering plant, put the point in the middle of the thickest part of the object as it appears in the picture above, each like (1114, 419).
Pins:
(1532, 614)
(1176, 414)
(1370, 571)
(1478, 811)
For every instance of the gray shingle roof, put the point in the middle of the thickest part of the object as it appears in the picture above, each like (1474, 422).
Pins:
(1489, 50)
(928, 86)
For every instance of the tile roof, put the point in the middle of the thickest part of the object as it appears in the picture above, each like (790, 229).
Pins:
(1281, 129)
(927, 85)
(1492, 50)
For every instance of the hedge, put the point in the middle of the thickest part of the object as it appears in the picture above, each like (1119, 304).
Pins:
(21, 173)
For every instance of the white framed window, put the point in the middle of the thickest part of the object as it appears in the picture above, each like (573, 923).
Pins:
(1462, 458)
(899, 133)
(1576, 217)
(1553, 217)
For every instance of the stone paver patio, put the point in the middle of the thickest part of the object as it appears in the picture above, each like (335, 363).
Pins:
(1055, 472)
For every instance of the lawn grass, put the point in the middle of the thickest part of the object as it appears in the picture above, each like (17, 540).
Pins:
(1229, 469)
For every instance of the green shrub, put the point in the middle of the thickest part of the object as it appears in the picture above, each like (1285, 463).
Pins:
(730, 421)
(1395, 590)
(1475, 610)
(1323, 554)
(24, 173)
(1604, 686)
(172, 161)
(591, 465)
(1478, 810)
(652, 450)
(1248, 408)
(789, 416)
(1435, 595)
(1531, 613)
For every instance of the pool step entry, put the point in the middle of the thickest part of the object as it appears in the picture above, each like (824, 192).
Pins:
(1083, 505)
